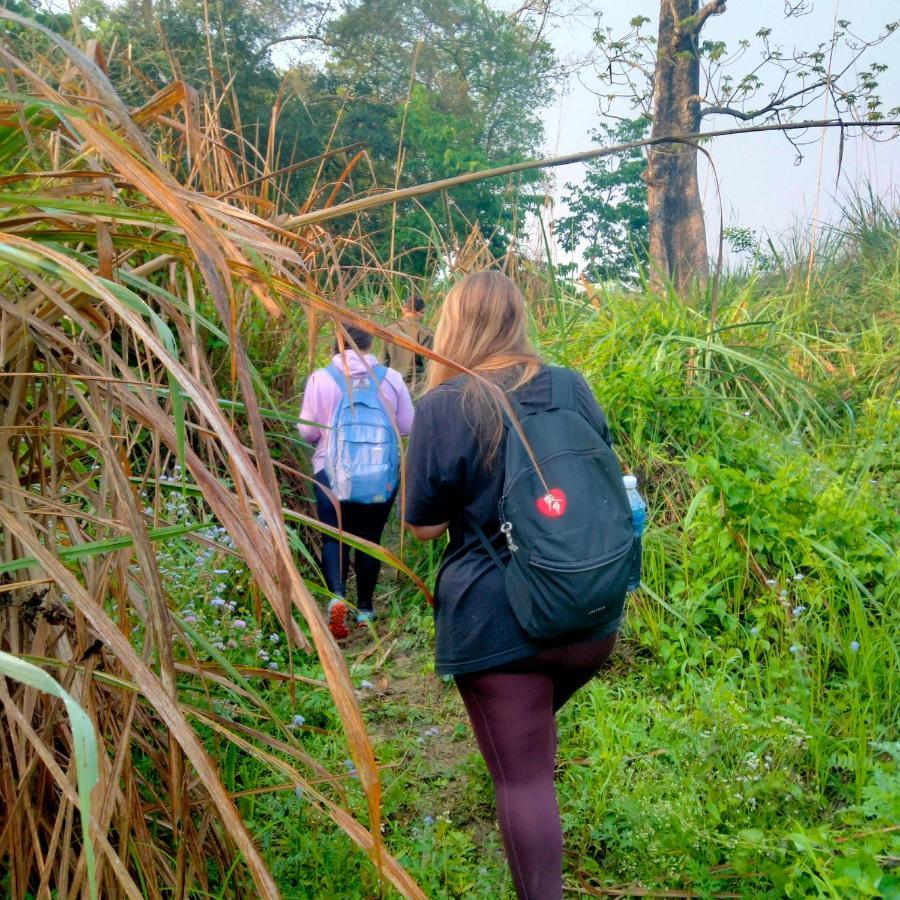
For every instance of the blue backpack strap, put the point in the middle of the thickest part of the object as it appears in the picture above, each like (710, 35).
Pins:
(337, 373)
(562, 389)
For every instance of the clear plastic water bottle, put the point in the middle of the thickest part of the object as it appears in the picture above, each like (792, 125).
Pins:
(638, 520)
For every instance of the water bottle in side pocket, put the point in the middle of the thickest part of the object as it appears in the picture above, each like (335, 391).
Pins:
(638, 521)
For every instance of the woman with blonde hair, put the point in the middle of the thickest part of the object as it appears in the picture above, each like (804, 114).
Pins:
(511, 682)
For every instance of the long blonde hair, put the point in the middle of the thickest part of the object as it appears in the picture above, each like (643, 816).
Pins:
(483, 327)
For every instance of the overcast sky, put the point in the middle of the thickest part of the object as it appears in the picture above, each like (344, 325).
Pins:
(762, 188)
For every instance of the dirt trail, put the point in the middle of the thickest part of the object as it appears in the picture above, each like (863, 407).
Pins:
(420, 731)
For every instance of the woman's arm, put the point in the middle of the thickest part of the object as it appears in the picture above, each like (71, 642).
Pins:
(405, 412)
(311, 410)
(435, 466)
(428, 532)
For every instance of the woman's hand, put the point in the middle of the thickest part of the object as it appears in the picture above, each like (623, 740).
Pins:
(428, 532)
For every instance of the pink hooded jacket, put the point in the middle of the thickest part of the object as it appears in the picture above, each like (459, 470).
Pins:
(322, 395)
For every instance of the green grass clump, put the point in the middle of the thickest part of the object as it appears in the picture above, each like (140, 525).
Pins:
(747, 741)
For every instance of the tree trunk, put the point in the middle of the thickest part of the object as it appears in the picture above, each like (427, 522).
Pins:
(677, 248)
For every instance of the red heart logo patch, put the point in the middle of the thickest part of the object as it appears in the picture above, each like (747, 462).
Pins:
(552, 504)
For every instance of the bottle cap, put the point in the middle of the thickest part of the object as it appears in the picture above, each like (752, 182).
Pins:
(630, 481)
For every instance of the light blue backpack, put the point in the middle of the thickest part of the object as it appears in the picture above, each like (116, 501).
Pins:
(362, 450)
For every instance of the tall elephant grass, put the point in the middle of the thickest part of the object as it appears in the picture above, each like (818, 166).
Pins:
(115, 279)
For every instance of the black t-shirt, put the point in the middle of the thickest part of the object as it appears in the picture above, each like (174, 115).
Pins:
(475, 626)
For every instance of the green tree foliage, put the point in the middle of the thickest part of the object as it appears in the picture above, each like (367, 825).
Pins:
(492, 70)
(188, 38)
(464, 84)
(608, 212)
(50, 17)
(471, 100)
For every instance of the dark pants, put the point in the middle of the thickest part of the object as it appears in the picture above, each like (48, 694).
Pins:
(365, 520)
(512, 710)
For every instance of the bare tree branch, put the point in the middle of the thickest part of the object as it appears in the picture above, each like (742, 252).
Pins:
(712, 8)
(778, 103)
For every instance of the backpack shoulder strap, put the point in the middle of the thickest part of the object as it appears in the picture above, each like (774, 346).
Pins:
(485, 542)
(337, 374)
(562, 389)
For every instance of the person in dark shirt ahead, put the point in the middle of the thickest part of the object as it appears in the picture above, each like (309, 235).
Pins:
(511, 683)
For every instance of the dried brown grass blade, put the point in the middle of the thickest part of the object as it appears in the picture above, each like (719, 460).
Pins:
(174, 94)
(153, 690)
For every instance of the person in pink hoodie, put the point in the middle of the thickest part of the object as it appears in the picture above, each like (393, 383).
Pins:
(366, 520)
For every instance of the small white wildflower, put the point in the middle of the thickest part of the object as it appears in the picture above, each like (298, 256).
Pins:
(274, 638)
(217, 601)
(795, 649)
(798, 576)
(754, 630)
(854, 646)
(273, 666)
(297, 722)
(771, 582)
(798, 611)
(367, 685)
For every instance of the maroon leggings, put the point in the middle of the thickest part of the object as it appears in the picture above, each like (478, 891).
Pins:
(512, 709)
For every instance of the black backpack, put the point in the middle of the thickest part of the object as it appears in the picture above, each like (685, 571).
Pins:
(572, 546)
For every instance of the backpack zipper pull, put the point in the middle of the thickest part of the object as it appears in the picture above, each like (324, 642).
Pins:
(506, 528)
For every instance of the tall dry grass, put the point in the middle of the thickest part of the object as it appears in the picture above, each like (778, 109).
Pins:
(115, 222)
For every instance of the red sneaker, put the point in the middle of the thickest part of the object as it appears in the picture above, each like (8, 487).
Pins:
(337, 618)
